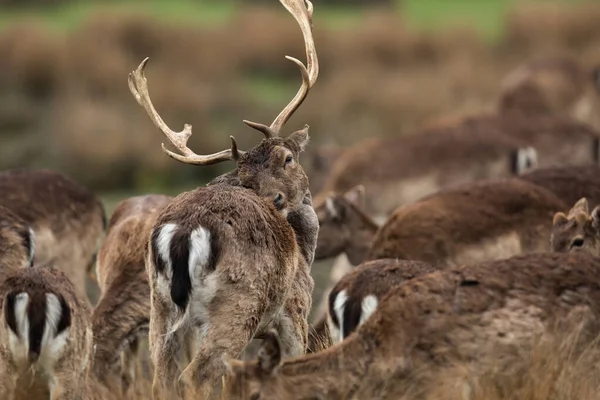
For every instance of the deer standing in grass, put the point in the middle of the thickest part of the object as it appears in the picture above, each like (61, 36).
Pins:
(45, 335)
(223, 261)
(67, 219)
(121, 317)
(579, 230)
(483, 317)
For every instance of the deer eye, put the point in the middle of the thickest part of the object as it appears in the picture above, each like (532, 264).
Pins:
(288, 159)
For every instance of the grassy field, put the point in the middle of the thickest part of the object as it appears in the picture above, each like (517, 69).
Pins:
(486, 16)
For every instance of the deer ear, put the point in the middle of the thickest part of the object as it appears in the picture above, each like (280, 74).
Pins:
(356, 196)
(559, 218)
(298, 140)
(269, 354)
(526, 158)
(596, 218)
(580, 206)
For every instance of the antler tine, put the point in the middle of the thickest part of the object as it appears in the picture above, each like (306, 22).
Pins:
(138, 85)
(302, 10)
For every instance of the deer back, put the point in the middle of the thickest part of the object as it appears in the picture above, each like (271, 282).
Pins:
(469, 223)
(17, 242)
(569, 182)
(483, 317)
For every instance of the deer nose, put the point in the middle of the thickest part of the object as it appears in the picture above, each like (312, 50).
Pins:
(279, 201)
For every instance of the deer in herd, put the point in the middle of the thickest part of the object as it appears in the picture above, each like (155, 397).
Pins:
(579, 230)
(557, 85)
(483, 317)
(474, 222)
(121, 317)
(413, 166)
(355, 297)
(67, 219)
(17, 242)
(45, 335)
(569, 182)
(230, 260)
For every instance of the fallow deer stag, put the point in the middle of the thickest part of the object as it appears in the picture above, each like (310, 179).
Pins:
(67, 219)
(484, 220)
(122, 314)
(45, 335)
(483, 317)
(223, 260)
(17, 242)
(579, 230)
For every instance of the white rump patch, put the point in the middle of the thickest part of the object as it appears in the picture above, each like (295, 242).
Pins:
(19, 343)
(368, 307)
(338, 308)
(330, 207)
(52, 345)
(199, 253)
(163, 246)
(31, 246)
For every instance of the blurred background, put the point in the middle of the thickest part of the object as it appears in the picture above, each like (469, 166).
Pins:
(387, 67)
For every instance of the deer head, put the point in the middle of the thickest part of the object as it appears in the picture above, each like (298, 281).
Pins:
(578, 230)
(271, 168)
(343, 225)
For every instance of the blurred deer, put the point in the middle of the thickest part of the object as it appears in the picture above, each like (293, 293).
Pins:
(67, 219)
(121, 317)
(17, 243)
(482, 317)
(224, 261)
(579, 230)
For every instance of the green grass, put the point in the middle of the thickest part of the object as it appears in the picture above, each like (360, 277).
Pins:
(485, 15)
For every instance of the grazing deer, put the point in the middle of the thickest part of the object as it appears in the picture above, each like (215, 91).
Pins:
(484, 317)
(579, 230)
(410, 167)
(122, 314)
(552, 85)
(356, 296)
(569, 182)
(45, 334)
(344, 226)
(67, 219)
(483, 220)
(17, 242)
(223, 260)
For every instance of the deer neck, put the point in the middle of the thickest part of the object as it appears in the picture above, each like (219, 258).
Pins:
(319, 374)
(362, 235)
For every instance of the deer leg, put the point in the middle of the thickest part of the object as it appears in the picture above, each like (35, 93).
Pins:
(8, 382)
(228, 333)
(164, 350)
(128, 366)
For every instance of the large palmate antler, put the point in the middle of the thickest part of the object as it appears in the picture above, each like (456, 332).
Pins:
(303, 13)
(138, 85)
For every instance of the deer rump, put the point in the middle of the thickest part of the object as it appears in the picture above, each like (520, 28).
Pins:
(229, 235)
